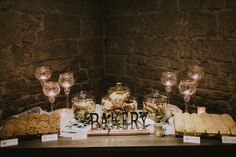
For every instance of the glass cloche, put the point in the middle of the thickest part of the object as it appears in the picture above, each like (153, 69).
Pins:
(119, 99)
(156, 106)
(83, 104)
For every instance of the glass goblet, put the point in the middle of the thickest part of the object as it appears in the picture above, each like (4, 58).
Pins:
(195, 72)
(51, 90)
(66, 80)
(168, 79)
(187, 88)
(43, 73)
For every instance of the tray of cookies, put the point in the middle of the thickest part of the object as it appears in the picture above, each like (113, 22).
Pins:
(31, 125)
(204, 125)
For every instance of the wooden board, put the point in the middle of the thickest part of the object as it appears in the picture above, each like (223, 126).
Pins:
(117, 132)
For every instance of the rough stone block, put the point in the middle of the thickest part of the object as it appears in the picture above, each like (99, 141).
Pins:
(147, 5)
(139, 60)
(21, 55)
(91, 27)
(211, 67)
(90, 47)
(156, 47)
(216, 50)
(202, 24)
(213, 94)
(6, 64)
(11, 27)
(120, 46)
(54, 49)
(124, 26)
(162, 24)
(70, 6)
(214, 4)
(95, 72)
(115, 64)
(93, 7)
(191, 4)
(58, 26)
(121, 7)
(167, 5)
(230, 3)
(227, 23)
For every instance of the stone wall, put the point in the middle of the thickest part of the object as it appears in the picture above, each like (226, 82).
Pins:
(67, 35)
(146, 37)
(105, 41)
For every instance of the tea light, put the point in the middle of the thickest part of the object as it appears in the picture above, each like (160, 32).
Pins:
(201, 109)
(168, 83)
(195, 76)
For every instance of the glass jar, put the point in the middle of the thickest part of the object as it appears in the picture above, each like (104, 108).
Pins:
(156, 106)
(119, 99)
(82, 105)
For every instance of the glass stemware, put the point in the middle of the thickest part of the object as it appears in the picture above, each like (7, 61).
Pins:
(43, 73)
(187, 88)
(168, 79)
(51, 89)
(66, 80)
(195, 72)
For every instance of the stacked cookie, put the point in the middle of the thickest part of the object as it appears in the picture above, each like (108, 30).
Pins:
(31, 124)
(204, 124)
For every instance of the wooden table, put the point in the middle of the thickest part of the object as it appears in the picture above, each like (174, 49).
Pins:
(117, 145)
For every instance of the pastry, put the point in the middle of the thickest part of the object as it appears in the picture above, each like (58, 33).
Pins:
(208, 124)
(179, 122)
(233, 130)
(200, 129)
(228, 120)
(43, 127)
(44, 117)
(217, 120)
(189, 125)
(20, 128)
(31, 124)
(54, 122)
(32, 128)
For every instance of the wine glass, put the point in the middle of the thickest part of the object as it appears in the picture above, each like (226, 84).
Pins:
(195, 72)
(51, 89)
(43, 73)
(187, 88)
(168, 79)
(66, 80)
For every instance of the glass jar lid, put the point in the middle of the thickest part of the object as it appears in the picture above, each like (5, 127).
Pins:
(155, 96)
(118, 88)
(83, 96)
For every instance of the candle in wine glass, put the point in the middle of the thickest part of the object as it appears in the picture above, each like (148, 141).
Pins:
(187, 88)
(43, 73)
(195, 72)
(168, 79)
(66, 80)
(51, 89)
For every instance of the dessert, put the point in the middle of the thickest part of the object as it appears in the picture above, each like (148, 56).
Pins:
(155, 105)
(217, 120)
(189, 125)
(228, 120)
(204, 124)
(30, 125)
(179, 122)
(118, 99)
(200, 129)
(82, 105)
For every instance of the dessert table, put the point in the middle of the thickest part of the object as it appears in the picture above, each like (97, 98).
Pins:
(116, 145)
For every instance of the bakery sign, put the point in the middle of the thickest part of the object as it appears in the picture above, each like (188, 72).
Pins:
(118, 123)
(117, 120)
(114, 123)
